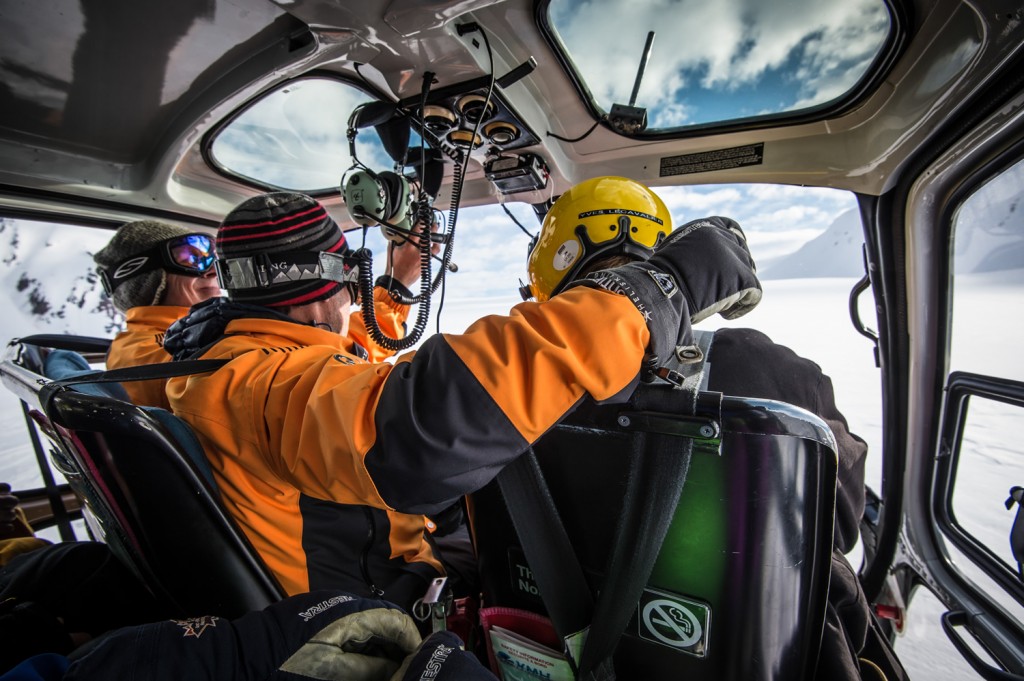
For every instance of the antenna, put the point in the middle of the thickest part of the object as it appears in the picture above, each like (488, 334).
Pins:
(628, 119)
(643, 65)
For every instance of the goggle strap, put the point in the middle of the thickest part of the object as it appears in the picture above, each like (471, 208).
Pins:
(125, 270)
(264, 271)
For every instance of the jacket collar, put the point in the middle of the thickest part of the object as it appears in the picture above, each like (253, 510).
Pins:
(210, 321)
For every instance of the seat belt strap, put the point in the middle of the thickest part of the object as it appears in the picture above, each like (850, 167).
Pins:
(657, 473)
(141, 372)
(145, 372)
(66, 342)
(555, 566)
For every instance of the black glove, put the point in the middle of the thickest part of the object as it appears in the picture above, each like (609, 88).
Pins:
(441, 657)
(702, 268)
(709, 260)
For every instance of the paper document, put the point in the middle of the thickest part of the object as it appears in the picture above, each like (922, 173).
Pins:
(522, 659)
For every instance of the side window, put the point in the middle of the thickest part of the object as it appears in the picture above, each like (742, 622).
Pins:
(988, 276)
(981, 465)
(49, 286)
(285, 140)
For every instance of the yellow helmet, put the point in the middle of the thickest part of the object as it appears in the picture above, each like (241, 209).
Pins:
(596, 218)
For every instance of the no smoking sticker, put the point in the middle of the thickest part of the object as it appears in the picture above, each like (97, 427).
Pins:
(674, 621)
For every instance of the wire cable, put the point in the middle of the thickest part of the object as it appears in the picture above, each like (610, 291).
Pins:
(518, 224)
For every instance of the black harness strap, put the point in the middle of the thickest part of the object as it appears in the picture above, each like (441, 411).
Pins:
(657, 472)
(66, 342)
(143, 372)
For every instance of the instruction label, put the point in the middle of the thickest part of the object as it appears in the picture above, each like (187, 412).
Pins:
(674, 621)
(719, 159)
(521, 574)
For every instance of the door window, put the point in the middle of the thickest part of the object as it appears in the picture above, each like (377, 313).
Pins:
(981, 459)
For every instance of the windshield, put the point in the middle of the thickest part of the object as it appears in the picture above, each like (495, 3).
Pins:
(712, 62)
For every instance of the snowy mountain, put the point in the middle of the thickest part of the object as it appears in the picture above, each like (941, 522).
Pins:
(989, 237)
(997, 241)
(48, 283)
(835, 253)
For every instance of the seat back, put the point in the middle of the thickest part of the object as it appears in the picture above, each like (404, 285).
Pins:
(739, 588)
(60, 364)
(144, 479)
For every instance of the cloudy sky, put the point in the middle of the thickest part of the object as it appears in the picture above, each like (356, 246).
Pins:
(721, 60)
(491, 250)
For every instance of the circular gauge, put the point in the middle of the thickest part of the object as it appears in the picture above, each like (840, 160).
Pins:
(438, 118)
(463, 138)
(501, 132)
(475, 108)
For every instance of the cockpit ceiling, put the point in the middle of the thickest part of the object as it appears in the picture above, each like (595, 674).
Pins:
(107, 78)
(120, 101)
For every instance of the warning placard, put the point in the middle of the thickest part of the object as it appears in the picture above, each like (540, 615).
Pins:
(674, 621)
(718, 159)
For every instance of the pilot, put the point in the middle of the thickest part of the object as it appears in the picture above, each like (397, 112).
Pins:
(328, 461)
(154, 272)
(744, 362)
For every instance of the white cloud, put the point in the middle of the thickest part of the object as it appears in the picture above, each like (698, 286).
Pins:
(491, 250)
(296, 137)
(721, 46)
(683, 201)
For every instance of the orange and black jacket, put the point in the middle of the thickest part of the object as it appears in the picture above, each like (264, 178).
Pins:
(327, 461)
(142, 341)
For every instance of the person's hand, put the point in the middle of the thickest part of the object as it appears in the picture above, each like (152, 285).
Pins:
(10, 524)
(441, 657)
(404, 258)
(314, 635)
(710, 261)
(702, 268)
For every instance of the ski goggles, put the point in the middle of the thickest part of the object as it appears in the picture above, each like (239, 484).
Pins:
(192, 255)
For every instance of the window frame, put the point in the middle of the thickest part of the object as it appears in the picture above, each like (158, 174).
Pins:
(961, 387)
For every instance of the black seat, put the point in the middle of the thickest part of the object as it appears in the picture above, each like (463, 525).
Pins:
(149, 492)
(739, 589)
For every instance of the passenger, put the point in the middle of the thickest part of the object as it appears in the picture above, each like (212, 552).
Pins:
(744, 362)
(16, 535)
(155, 271)
(325, 635)
(54, 597)
(327, 462)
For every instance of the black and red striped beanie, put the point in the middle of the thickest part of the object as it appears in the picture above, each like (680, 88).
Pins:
(281, 222)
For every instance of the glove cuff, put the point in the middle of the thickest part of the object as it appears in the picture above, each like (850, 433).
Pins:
(733, 307)
(398, 291)
(650, 290)
(658, 298)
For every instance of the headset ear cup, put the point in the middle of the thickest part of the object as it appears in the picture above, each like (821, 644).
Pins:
(392, 184)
